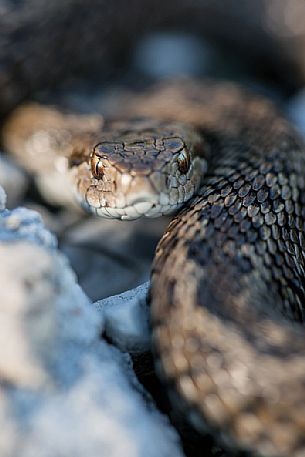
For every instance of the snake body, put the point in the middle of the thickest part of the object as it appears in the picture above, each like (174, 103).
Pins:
(227, 290)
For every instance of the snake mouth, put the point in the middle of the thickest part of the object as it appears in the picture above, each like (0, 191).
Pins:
(137, 208)
(127, 198)
(132, 197)
(129, 212)
(146, 205)
(137, 211)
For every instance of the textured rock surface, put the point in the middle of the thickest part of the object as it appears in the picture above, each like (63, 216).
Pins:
(22, 223)
(63, 390)
(126, 319)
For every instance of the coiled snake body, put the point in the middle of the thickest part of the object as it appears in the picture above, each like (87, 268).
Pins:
(227, 293)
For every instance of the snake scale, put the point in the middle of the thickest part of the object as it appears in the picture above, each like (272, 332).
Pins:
(227, 287)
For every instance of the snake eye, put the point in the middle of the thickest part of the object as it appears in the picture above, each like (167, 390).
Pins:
(184, 161)
(97, 167)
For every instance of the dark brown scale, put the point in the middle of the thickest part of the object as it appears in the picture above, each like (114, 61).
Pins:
(237, 285)
(243, 191)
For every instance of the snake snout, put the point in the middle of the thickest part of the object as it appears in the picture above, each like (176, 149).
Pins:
(141, 190)
(140, 196)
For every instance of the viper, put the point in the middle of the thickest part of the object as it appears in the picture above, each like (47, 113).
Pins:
(227, 286)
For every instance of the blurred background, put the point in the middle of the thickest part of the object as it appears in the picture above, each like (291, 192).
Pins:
(44, 43)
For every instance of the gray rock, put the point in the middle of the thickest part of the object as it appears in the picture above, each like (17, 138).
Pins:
(125, 319)
(24, 224)
(13, 180)
(72, 394)
(63, 391)
(40, 307)
(111, 256)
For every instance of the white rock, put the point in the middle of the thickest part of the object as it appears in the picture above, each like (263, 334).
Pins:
(101, 415)
(22, 223)
(64, 392)
(126, 319)
(41, 306)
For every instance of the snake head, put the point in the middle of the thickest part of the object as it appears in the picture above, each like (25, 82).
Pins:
(141, 168)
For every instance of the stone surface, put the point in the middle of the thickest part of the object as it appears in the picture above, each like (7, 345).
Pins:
(13, 180)
(111, 256)
(63, 390)
(22, 223)
(126, 319)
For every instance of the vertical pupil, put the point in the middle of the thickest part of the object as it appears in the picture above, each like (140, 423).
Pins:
(96, 166)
